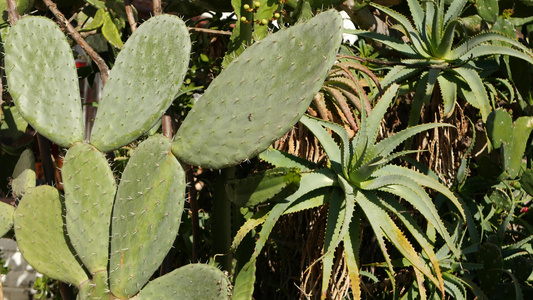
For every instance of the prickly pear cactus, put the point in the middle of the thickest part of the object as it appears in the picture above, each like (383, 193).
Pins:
(144, 81)
(50, 98)
(258, 97)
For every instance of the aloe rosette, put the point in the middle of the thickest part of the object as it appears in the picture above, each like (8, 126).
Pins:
(364, 185)
(433, 57)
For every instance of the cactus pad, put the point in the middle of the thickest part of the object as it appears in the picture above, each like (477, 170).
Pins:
(24, 176)
(144, 81)
(89, 194)
(50, 98)
(146, 216)
(41, 236)
(193, 281)
(499, 127)
(6, 218)
(260, 95)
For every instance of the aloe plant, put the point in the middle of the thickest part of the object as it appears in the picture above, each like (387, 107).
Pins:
(361, 183)
(434, 58)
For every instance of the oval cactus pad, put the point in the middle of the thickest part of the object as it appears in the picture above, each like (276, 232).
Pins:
(89, 195)
(146, 215)
(144, 81)
(40, 233)
(43, 81)
(260, 95)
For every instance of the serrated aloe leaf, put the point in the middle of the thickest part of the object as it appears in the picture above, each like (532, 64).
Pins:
(393, 205)
(395, 44)
(338, 157)
(409, 190)
(448, 91)
(454, 10)
(267, 186)
(6, 218)
(351, 253)
(481, 39)
(284, 159)
(373, 121)
(315, 198)
(417, 13)
(381, 222)
(499, 127)
(476, 85)
(337, 213)
(24, 176)
(484, 50)
(41, 236)
(146, 215)
(89, 195)
(399, 74)
(386, 146)
(412, 34)
(54, 108)
(446, 41)
(254, 100)
(422, 180)
(193, 281)
(144, 81)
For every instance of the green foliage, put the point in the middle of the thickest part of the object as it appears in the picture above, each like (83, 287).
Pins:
(364, 182)
(143, 213)
(435, 57)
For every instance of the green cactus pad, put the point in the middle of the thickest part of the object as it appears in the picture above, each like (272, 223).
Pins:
(146, 77)
(6, 218)
(97, 288)
(41, 236)
(89, 194)
(260, 95)
(513, 150)
(49, 99)
(193, 281)
(146, 215)
(499, 127)
(24, 176)
(490, 276)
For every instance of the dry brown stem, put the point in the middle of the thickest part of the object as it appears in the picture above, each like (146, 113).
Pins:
(65, 24)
